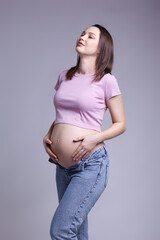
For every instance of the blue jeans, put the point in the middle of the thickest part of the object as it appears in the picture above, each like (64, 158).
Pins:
(78, 188)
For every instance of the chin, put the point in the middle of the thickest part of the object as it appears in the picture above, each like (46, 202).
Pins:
(77, 50)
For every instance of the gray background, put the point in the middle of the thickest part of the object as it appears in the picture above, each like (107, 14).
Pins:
(38, 42)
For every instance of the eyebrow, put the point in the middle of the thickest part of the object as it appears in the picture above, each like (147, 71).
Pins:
(89, 32)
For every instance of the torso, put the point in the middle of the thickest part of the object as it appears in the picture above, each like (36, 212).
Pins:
(63, 146)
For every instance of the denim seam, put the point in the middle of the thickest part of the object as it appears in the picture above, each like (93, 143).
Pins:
(84, 200)
(106, 176)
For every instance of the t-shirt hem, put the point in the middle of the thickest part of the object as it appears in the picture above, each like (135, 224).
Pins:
(79, 125)
(113, 95)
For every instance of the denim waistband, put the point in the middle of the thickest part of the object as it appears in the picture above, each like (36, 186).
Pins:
(96, 152)
(80, 165)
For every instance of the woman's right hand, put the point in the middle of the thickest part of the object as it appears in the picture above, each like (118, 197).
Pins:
(47, 142)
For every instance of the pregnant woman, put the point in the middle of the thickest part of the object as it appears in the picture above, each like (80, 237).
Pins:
(75, 142)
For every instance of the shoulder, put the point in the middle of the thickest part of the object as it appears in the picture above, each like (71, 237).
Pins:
(111, 86)
(62, 74)
(109, 78)
(61, 78)
(110, 81)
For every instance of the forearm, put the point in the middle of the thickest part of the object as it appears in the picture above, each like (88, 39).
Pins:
(114, 130)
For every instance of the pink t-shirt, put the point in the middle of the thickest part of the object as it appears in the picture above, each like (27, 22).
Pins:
(81, 102)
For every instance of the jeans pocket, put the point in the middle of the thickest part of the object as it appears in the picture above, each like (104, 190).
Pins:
(95, 160)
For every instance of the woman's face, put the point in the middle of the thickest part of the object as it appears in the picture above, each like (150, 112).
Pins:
(90, 40)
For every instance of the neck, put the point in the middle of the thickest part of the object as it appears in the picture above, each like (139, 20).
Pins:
(87, 65)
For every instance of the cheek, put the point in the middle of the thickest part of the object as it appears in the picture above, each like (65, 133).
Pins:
(92, 47)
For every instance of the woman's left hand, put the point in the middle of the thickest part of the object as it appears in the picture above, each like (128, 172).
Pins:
(88, 142)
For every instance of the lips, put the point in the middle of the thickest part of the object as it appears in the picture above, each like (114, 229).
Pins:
(80, 43)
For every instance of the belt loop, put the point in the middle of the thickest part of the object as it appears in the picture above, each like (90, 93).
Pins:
(105, 148)
(83, 166)
(84, 163)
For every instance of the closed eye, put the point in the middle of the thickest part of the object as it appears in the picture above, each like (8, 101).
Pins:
(89, 36)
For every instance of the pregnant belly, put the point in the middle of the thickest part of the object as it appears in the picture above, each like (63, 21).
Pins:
(63, 146)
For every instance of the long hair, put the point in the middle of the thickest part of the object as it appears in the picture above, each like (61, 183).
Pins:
(104, 61)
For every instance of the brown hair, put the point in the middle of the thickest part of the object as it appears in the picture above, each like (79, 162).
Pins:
(104, 61)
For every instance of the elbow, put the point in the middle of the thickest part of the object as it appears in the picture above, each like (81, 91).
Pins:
(124, 127)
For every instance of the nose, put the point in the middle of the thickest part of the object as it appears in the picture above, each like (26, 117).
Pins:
(81, 39)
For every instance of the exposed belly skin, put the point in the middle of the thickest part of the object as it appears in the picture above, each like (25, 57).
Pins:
(63, 146)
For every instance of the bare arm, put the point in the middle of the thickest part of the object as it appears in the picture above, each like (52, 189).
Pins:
(116, 109)
(118, 126)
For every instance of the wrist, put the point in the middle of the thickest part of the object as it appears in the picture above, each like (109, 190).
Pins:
(99, 138)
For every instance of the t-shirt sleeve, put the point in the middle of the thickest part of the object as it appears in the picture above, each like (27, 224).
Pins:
(58, 82)
(60, 79)
(111, 87)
